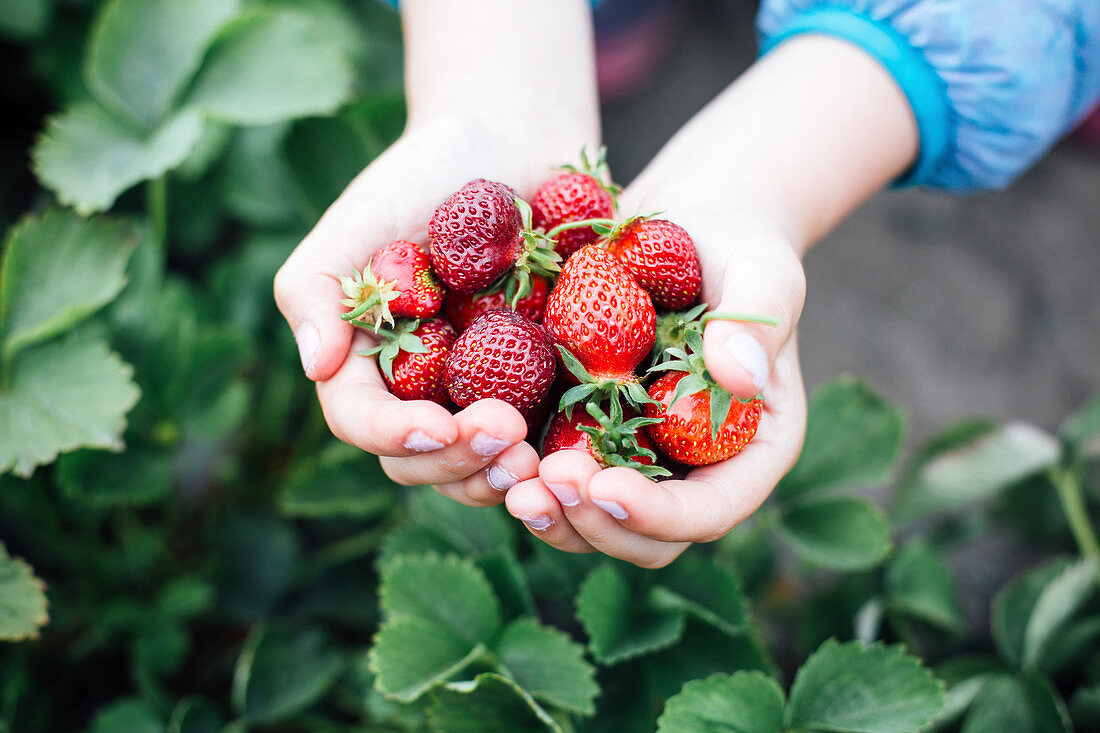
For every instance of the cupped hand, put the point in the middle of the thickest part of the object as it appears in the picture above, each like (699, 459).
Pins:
(749, 266)
(478, 453)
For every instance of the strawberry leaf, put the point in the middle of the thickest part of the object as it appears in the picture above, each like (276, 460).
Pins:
(719, 409)
(844, 532)
(745, 702)
(22, 599)
(548, 665)
(619, 624)
(490, 703)
(1026, 704)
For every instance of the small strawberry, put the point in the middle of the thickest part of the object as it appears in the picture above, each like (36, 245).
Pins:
(604, 321)
(482, 232)
(662, 258)
(411, 358)
(610, 440)
(576, 195)
(701, 423)
(462, 308)
(397, 281)
(502, 355)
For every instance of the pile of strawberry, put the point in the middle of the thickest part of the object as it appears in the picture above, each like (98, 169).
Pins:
(556, 292)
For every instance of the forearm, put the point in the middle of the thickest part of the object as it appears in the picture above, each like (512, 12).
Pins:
(528, 61)
(805, 136)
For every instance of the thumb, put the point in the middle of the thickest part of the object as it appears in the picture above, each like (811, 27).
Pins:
(769, 282)
(308, 295)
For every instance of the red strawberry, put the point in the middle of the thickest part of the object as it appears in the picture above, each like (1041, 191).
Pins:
(576, 195)
(481, 232)
(411, 357)
(610, 440)
(462, 308)
(398, 281)
(502, 355)
(603, 319)
(687, 433)
(662, 258)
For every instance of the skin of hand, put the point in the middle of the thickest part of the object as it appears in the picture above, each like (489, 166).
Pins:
(499, 101)
(770, 166)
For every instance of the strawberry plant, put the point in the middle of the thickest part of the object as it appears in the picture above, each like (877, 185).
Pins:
(185, 548)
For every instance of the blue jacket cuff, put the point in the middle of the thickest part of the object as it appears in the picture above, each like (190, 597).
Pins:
(917, 79)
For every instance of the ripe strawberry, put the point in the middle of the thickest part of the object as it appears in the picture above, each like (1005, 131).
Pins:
(502, 355)
(688, 433)
(576, 195)
(462, 308)
(662, 258)
(608, 439)
(398, 281)
(481, 232)
(411, 357)
(604, 321)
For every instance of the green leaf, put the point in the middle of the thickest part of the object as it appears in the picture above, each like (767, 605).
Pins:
(843, 533)
(1022, 705)
(699, 586)
(487, 704)
(347, 484)
(57, 270)
(142, 53)
(548, 665)
(185, 597)
(281, 672)
(437, 523)
(1082, 429)
(745, 702)
(324, 155)
(853, 436)
(99, 478)
(159, 646)
(88, 158)
(702, 651)
(269, 67)
(968, 463)
(965, 678)
(128, 716)
(195, 715)
(873, 689)
(22, 599)
(410, 655)
(1028, 614)
(254, 181)
(918, 583)
(1085, 707)
(25, 18)
(509, 582)
(619, 625)
(44, 410)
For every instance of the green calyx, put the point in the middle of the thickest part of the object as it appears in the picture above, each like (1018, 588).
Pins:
(673, 328)
(400, 337)
(616, 440)
(369, 299)
(591, 389)
(537, 258)
(599, 170)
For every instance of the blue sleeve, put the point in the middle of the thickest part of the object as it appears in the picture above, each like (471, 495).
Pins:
(993, 84)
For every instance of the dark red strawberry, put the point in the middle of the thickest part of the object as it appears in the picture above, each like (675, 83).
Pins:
(576, 195)
(462, 308)
(612, 440)
(483, 231)
(411, 357)
(604, 320)
(502, 355)
(397, 282)
(687, 431)
(662, 258)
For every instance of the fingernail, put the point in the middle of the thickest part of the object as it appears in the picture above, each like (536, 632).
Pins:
(421, 442)
(487, 445)
(308, 338)
(751, 356)
(567, 495)
(501, 479)
(613, 508)
(539, 523)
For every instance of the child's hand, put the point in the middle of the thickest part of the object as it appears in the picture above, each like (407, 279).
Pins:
(472, 456)
(748, 267)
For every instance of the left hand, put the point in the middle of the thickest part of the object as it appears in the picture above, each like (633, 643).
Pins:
(750, 266)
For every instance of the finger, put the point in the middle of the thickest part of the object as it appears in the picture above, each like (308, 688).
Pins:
(488, 486)
(485, 430)
(361, 411)
(762, 280)
(533, 504)
(567, 475)
(714, 498)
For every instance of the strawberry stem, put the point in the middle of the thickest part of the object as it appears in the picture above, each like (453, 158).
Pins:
(742, 317)
(608, 223)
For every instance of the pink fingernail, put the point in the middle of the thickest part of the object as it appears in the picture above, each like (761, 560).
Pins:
(421, 442)
(567, 495)
(487, 445)
(501, 478)
(613, 508)
(539, 523)
(751, 356)
(308, 338)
